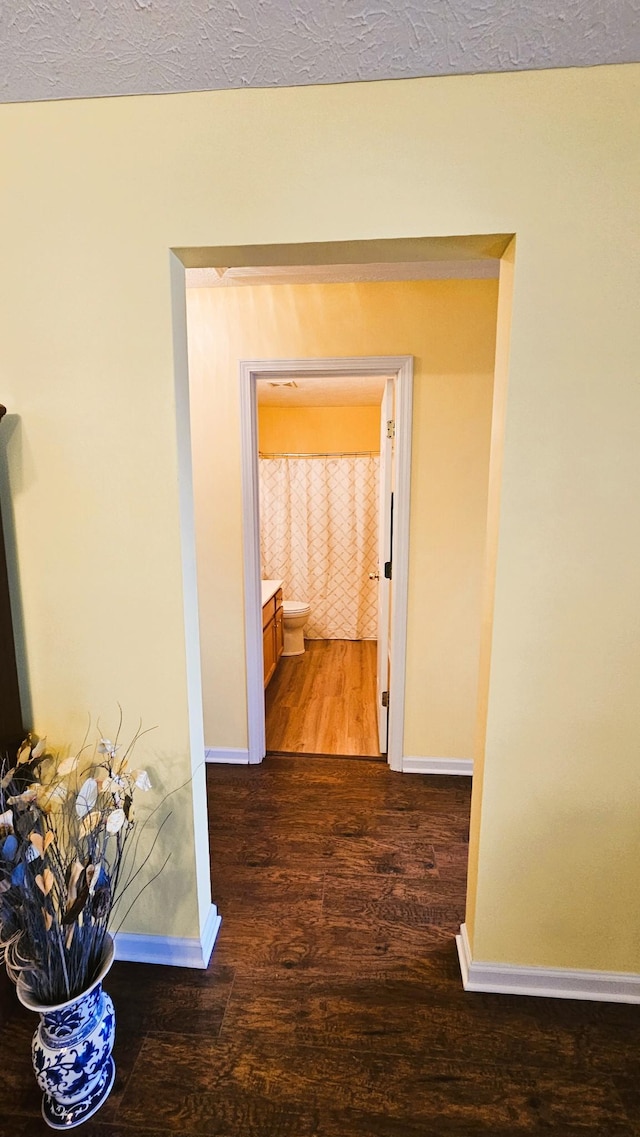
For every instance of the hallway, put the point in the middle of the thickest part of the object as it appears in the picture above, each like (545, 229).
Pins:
(333, 1005)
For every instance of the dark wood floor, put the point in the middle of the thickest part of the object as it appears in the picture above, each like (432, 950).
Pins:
(324, 702)
(333, 1005)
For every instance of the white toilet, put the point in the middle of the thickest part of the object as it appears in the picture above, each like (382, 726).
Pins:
(295, 614)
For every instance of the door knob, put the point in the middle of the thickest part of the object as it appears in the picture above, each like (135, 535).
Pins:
(374, 576)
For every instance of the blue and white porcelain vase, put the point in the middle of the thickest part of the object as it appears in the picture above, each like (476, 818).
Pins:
(71, 1050)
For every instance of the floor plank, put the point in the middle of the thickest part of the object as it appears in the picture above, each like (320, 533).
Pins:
(324, 702)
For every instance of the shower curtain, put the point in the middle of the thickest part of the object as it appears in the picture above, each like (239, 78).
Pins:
(319, 534)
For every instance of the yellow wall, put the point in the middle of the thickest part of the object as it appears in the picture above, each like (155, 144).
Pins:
(500, 389)
(311, 429)
(94, 193)
(449, 327)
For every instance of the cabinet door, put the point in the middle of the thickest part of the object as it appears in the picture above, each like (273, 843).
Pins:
(269, 651)
(279, 634)
(268, 611)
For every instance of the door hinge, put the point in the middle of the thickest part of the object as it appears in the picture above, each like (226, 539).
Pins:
(387, 570)
(391, 428)
(385, 698)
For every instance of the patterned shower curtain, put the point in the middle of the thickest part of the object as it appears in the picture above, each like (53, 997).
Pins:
(319, 534)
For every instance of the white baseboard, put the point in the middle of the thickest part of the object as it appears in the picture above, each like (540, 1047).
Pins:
(220, 754)
(437, 766)
(176, 951)
(545, 982)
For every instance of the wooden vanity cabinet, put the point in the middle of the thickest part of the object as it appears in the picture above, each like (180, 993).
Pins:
(272, 634)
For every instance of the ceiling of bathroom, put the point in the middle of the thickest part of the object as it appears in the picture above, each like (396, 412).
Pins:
(54, 49)
(327, 391)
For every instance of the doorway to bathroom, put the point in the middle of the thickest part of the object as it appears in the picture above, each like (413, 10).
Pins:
(326, 453)
(319, 462)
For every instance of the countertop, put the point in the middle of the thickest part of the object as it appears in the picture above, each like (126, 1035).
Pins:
(269, 589)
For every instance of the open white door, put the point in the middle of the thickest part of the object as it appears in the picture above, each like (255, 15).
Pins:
(384, 559)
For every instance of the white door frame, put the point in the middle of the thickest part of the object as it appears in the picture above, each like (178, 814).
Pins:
(385, 522)
(400, 367)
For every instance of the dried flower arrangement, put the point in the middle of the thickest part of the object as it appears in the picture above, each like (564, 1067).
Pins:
(67, 860)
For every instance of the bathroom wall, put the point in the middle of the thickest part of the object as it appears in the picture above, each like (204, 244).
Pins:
(309, 429)
(449, 328)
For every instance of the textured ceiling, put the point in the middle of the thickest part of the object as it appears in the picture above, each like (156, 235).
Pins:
(52, 49)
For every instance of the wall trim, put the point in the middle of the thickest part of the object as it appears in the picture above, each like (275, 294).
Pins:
(175, 951)
(222, 754)
(462, 766)
(545, 982)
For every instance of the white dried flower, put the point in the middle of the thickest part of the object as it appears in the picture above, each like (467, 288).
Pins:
(7, 819)
(87, 796)
(106, 746)
(115, 821)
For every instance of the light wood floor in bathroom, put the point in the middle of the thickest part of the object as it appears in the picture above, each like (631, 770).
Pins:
(324, 702)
